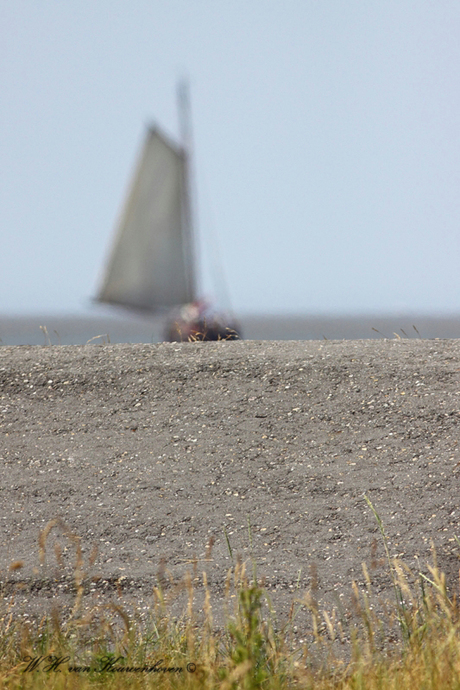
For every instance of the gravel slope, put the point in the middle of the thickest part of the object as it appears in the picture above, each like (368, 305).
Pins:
(148, 451)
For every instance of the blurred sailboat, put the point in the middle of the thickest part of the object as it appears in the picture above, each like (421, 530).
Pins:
(152, 265)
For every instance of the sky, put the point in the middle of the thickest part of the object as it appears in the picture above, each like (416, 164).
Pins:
(325, 137)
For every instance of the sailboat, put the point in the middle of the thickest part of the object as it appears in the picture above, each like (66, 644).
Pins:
(152, 263)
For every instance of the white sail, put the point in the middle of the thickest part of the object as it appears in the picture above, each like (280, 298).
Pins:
(151, 263)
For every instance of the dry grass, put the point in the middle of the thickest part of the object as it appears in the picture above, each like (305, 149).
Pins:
(416, 644)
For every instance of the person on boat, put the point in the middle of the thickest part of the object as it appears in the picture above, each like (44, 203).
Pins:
(196, 322)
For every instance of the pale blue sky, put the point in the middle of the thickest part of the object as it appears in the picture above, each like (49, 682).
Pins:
(326, 132)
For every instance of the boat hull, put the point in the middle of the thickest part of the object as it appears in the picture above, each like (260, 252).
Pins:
(203, 329)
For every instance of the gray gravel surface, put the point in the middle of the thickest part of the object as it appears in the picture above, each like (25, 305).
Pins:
(148, 452)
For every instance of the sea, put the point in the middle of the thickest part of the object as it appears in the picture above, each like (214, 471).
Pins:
(49, 329)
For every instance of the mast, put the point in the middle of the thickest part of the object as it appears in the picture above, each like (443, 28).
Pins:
(191, 249)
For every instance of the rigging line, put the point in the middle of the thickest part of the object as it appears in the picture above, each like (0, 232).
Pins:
(210, 239)
(205, 242)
